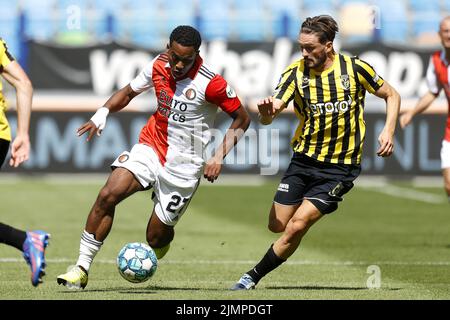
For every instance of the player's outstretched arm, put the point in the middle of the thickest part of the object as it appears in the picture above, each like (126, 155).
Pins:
(116, 102)
(241, 121)
(386, 137)
(421, 106)
(16, 76)
(268, 109)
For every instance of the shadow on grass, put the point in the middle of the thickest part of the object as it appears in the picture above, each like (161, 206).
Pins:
(152, 290)
(148, 290)
(325, 288)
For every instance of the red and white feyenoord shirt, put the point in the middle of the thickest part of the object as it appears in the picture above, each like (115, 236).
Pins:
(179, 129)
(438, 76)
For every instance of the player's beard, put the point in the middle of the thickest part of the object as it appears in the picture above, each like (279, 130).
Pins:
(318, 62)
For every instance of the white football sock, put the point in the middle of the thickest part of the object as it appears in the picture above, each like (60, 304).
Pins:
(88, 249)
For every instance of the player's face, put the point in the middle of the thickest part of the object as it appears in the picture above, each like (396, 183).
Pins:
(314, 52)
(444, 33)
(181, 59)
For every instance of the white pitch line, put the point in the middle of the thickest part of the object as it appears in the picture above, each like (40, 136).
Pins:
(99, 178)
(246, 262)
(407, 193)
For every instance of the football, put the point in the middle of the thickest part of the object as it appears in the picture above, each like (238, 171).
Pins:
(137, 262)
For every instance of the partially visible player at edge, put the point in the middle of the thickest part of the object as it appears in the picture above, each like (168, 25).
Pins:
(31, 243)
(170, 154)
(328, 91)
(437, 78)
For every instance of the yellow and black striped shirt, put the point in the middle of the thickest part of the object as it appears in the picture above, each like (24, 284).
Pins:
(330, 107)
(5, 59)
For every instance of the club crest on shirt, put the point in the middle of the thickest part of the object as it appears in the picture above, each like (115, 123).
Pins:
(230, 92)
(345, 81)
(123, 157)
(190, 94)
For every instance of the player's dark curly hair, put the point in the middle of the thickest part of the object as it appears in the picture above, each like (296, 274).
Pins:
(186, 36)
(324, 26)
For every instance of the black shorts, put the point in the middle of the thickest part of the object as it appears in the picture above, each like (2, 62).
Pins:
(4, 147)
(323, 184)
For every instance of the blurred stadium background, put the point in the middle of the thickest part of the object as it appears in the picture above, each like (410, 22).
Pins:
(77, 52)
(149, 22)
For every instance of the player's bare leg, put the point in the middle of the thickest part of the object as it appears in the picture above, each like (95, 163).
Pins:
(120, 185)
(446, 174)
(159, 235)
(304, 217)
(280, 215)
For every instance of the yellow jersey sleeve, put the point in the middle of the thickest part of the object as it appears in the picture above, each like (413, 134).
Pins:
(5, 57)
(367, 76)
(285, 90)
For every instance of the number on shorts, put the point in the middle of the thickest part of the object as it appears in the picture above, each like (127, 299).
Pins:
(172, 206)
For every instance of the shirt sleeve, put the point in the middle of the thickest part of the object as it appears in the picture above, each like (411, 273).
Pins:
(5, 57)
(367, 76)
(143, 80)
(285, 90)
(432, 83)
(220, 93)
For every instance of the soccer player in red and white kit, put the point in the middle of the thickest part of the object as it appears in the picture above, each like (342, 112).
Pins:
(437, 78)
(170, 155)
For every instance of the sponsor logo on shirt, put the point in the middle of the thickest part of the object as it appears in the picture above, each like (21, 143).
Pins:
(332, 106)
(171, 108)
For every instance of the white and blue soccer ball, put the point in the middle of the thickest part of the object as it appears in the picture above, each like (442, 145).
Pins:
(137, 262)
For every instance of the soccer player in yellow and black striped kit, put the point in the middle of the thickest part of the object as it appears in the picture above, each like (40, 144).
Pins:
(31, 243)
(328, 91)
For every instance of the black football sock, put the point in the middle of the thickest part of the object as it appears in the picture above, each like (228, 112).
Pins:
(12, 236)
(269, 262)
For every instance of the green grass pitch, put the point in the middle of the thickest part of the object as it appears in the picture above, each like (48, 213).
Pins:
(224, 233)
